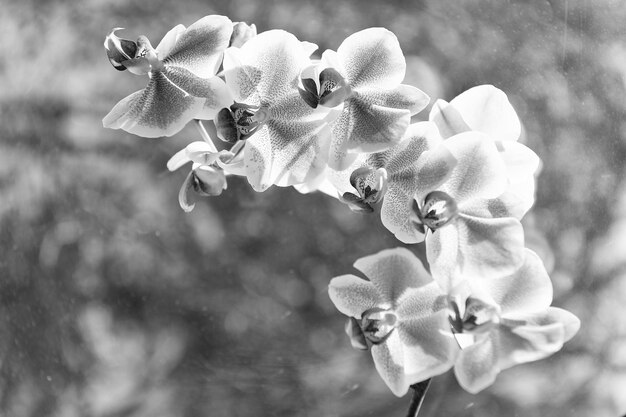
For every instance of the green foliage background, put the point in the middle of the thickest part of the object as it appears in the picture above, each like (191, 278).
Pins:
(113, 302)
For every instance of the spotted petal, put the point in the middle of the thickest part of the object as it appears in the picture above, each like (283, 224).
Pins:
(161, 109)
(419, 162)
(166, 105)
(291, 148)
(199, 48)
(372, 58)
(266, 67)
(373, 120)
(352, 295)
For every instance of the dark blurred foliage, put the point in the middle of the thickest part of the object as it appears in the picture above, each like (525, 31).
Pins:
(113, 302)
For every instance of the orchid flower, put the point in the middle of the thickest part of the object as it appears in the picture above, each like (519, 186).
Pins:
(364, 76)
(469, 233)
(487, 109)
(286, 140)
(506, 321)
(399, 314)
(182, 84)
(394, 176)
(208, 171)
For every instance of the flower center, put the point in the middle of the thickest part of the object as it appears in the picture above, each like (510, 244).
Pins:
(371, 186)
(328, 89)
(374, 327)
(438, 210)
(475, 317)
(240, 121)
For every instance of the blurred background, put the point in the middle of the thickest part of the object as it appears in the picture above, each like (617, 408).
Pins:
(113, 302)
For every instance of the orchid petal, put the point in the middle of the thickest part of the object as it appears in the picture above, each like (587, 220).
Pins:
(179, 159)
(242, 79)
(352, 295)
(367, 125)
(476, 367)
(528, 289)
(276, 55)
(448, 119)
(218, 96)
(209, 181)
(511, 343)
(521, 165)
(487, 109)
(429, 349)
(422, 301)
(169, 41)
(433, 164)
(372, 57)
(161, 109)
(213, 90)
(475, 247)
(521, 344)
(506, 204)
(396, 214)
(393, 271)
(291, 148)
(242, 32)
(199, 48)
(183, 195)
(480, 171)
(389, 362)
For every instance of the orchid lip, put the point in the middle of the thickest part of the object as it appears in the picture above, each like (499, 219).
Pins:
(438, 210)
(475, 317)
(328, 89)
(240, 121)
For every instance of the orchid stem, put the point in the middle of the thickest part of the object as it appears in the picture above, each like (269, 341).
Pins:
(419, 392)
(208, 137)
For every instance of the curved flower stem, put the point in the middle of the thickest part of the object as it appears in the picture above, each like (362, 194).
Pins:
(205, 135)
(419, 392)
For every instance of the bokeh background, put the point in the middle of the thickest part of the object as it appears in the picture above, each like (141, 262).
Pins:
(113, 302)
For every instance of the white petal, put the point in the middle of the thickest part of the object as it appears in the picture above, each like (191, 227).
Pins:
(475, 247)
(429, 347)
(448, 119)
(480, 171)
(393, 272)
(521, 164)
(389, 362)
(528, 289)
(179, 159)
(487, 109)
(476, 367)
(169, 40)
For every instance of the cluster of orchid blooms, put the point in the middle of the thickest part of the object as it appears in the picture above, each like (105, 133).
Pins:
(341, 124)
